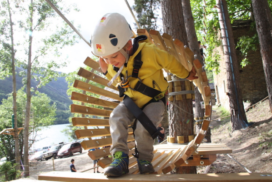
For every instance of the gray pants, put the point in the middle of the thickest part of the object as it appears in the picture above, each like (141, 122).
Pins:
(119, 120)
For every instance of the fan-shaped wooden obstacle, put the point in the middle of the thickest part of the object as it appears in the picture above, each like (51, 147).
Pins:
(166, 156)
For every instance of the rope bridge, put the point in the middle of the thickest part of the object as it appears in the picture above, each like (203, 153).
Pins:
(96, 111)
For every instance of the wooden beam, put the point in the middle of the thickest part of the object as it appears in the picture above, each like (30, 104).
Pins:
(93, 77)
(90, 122)
(92, 64)
(92, 100)
(95, 133)
(100, 142)
(89, 110)
(96, 177)
(157, 39)
(96, 90)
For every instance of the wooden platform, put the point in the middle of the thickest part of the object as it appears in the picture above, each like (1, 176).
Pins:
(94, 177)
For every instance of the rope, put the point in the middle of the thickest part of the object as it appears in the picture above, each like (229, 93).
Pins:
(133, 14)
(239, 163)
(67, 21)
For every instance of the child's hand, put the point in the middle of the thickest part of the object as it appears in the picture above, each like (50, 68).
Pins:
(103, 65)
(192, 74)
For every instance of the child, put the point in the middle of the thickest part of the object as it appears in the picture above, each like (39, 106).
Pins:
(136, 69)
(72, 166)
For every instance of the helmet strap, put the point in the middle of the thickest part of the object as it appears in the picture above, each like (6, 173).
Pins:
(125, 54)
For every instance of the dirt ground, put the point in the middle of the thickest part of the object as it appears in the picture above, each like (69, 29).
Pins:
(252, 147)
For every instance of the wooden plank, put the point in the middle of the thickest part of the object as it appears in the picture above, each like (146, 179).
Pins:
(208, 110)
(190, 57)
(93, 89)
(199, 137)
(157, 39)
(96, 133)
(93, 77)
(88, 133)
(89, 110)
(145, 32)
(205, 125)
(90, 122)
(100, 142)
(168, 41)
(92, 100)
(96, 177)
(166, 161)
(92, 64)
(181, 53)
(99, 153)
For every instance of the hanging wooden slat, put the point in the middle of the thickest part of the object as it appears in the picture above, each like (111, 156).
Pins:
(181, 53)
(205, 125)
(95, 78)
(166, 161)
(92, 100)
(89, 122)
(93, 89)
(100, 143)
(95, 133)
(157, 39)
(190, 57)
(92, 64)
(89, 110)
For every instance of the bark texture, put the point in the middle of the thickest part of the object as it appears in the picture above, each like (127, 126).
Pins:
(263, 21)
(180, 112)
(17, 156)
(237, 111)
(193, 45)
(28, 97)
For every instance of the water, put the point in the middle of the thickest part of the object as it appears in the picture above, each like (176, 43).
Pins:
(51, 135)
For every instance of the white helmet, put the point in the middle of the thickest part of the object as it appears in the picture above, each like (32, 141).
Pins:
(110, 35)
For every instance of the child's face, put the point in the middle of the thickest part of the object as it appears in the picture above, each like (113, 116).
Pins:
(116, 59)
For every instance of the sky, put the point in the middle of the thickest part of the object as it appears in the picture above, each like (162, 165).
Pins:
(91, 11)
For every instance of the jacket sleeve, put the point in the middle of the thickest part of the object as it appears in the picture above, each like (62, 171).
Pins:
(170, 63)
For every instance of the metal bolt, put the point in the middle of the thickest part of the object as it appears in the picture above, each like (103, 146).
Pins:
(86, 110)
(89, 88)
(88, 121)
(97, 142)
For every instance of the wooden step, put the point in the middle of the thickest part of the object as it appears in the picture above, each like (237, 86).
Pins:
(95, 177)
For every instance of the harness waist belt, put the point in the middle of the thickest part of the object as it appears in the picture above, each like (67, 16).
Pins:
(146, 90)
(140, 115)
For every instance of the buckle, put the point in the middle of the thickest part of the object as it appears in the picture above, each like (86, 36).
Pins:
(159, 96)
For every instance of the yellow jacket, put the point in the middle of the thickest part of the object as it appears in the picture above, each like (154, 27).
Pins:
(154, 60)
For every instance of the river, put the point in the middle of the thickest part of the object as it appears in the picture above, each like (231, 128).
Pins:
(51, 135)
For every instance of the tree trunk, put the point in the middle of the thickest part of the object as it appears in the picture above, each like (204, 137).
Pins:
(193, 45)
(264, 28)
(17, 156)
(180, 112)
(237, 111)
(28, 95)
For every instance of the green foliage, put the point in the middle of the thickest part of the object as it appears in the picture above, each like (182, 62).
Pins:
(246, 44)
(8, 172)
(146, 13)
(208, 26)
(55, 89)
(42, 114)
